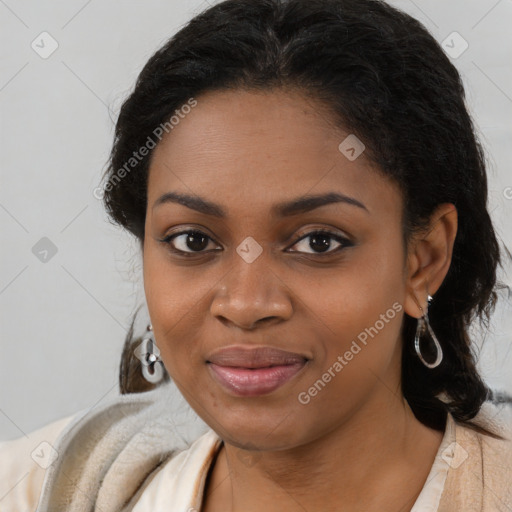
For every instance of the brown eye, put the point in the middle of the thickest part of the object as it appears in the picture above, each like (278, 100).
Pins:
(188, 242)
(321, 242)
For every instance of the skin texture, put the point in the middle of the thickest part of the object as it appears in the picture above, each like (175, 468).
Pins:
(356, 442)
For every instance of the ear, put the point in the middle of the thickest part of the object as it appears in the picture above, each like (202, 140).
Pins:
(429, 257)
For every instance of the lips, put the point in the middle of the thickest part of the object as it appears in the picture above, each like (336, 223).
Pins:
(260, 357)
(257, 371)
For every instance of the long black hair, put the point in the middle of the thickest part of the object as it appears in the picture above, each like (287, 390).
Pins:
(384, 78)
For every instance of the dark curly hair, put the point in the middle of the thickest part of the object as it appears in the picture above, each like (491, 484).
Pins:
(383, 77)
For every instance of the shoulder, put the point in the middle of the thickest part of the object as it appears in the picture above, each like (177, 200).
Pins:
(480, 466)
(35, 465)
(179, 483)
(495, 454)
(115, 447)
(23, 465)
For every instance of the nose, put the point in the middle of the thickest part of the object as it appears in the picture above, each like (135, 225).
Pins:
(251, 294)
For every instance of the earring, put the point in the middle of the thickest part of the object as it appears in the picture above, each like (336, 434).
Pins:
(149, 355)
(424, 325)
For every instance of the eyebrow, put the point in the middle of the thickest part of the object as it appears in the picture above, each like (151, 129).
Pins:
(287, 209)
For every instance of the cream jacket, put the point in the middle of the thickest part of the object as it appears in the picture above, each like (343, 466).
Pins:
(129, 455)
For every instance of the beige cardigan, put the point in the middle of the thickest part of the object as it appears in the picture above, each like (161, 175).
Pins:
(132, 454)
(480, 476)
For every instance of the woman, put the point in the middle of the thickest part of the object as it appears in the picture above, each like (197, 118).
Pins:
(310, 201)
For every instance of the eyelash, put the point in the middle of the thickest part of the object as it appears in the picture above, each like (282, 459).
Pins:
(345, 242)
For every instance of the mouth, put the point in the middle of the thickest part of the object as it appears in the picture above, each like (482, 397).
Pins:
(253, 372)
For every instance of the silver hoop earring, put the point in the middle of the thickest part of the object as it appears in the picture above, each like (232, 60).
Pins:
(422, 327)
(149, 355)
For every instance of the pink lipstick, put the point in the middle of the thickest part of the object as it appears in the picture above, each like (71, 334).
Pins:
(254, 371)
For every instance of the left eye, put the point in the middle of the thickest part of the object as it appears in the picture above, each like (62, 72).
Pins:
(320, 240)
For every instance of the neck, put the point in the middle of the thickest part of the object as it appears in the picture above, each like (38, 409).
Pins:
(378, 459)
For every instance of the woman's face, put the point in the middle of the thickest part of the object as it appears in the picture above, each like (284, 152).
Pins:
(325, 310)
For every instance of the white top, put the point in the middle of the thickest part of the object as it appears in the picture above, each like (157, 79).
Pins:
(177, 486)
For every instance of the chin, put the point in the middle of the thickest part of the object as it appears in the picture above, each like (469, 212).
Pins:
(272, 429)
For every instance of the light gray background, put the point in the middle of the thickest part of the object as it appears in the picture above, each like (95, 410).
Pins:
(63, 322)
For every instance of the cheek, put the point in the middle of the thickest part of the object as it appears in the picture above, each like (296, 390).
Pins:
(178, 299)
(366, 285)
(362, 307)
(169, 305)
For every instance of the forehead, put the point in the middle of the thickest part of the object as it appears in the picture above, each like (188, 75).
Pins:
(248, 148)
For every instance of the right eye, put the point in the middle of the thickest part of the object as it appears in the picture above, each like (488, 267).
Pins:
(192, 239)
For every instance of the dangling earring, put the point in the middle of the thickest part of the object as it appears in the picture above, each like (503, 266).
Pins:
(149, 355)
(423, 325)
